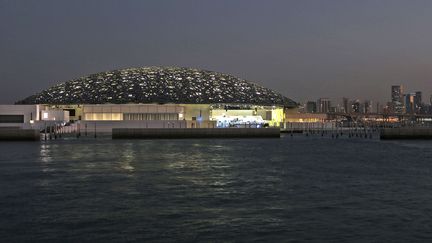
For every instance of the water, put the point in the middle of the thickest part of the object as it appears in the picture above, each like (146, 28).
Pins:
(289, 189)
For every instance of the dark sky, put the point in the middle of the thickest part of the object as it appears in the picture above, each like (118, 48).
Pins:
(303, 49)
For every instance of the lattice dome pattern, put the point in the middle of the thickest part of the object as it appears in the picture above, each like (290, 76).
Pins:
(159, 85)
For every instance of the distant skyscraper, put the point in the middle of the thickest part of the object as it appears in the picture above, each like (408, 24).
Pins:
(355, 106)
(388, 108)
(323, 105)
(367, 107)
(409, 103)
(397, 98)
(418, 102)
(311, 107)
(346, 105)
(381, 108)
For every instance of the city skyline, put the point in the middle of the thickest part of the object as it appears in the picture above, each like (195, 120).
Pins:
(402, 93)
(304, 50)
(401, 101)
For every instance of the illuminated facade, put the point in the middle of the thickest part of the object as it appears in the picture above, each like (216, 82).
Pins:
(165, 97)
(397, 99)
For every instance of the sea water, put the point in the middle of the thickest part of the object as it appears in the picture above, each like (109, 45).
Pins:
(277, 190)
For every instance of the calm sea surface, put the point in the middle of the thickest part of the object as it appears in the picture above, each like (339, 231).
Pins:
(287, 190)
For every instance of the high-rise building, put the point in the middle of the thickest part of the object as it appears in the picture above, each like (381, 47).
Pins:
(409, 103)
(333, 109)
(339, 108)
(356, 106)
(397, 98)
(311, 107)
(418, 102)
(323, 105)
(367, 108)
(346, 105)
(388, 108)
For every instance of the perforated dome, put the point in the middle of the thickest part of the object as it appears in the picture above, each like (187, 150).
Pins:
(159, 85)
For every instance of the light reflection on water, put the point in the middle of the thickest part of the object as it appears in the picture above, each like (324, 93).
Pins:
(216, 190)
(203, 159)
(46, 159)
(128, 157)
(45, 156)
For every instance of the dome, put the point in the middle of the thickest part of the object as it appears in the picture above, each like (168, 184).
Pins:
(158, 85)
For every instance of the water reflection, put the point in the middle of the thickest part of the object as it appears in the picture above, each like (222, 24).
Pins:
(46, 157)
(45, 153)
(128, 156)
(223, 189)
(204, 165)
(46, 163)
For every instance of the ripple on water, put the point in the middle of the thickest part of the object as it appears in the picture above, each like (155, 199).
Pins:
(288, 189)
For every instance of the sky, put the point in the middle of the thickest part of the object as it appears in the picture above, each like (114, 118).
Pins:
(303, 49)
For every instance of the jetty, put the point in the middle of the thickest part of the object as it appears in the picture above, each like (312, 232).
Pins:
(406, 133)
(17, 134)
(155, 133)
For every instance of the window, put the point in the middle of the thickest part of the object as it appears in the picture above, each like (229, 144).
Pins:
(103, 116)
(71, 112)
(150, 116)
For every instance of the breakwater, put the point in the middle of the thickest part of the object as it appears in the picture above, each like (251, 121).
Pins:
(15, 134)
(143, 133)
(406, 133)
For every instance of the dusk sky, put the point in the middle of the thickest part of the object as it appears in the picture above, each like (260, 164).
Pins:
(302, 49)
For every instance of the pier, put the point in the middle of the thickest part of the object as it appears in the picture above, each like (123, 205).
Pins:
(155, 133)
(406, 133)
(16, 134)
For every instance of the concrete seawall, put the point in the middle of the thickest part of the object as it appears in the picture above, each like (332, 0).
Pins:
(19, 135)
(144, 133)
(406, 133)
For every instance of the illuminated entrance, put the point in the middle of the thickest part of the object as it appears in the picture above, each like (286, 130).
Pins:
(246, 115)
